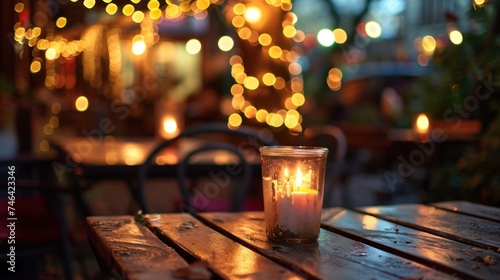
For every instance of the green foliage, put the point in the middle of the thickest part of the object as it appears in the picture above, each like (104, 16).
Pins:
(461, 72)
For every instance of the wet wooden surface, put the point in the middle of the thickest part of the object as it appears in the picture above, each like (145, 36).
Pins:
(464, 207)
(388, 242)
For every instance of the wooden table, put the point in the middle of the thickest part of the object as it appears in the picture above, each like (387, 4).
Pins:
(451, 240)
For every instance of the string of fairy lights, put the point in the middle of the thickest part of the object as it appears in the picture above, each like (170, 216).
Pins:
(47, 47)
(47, 50)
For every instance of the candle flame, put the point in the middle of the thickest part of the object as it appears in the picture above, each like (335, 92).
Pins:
(169, 125)
(298, 178)
(422, 123)
(286, 172)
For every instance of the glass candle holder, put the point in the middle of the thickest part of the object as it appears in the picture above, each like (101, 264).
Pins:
(293, 182)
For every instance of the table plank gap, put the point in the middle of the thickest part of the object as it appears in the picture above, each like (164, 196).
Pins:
(470, 208)
(224, 256)
(470, 230)
(332, 255)
(130, 251)
(452, 257)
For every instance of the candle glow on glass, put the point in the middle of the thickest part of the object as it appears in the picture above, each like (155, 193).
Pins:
(293, 182)
(298, 179)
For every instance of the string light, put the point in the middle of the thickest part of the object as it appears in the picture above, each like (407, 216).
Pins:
(245, 19)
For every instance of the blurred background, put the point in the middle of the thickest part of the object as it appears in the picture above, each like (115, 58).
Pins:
(369, 67)
(412, 86)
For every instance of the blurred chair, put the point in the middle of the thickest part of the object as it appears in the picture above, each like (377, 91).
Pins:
(334, 139)
(243, 143)
(36, 202)
(40, 222)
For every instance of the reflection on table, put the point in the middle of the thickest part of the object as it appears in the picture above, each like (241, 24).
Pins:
(448, 240)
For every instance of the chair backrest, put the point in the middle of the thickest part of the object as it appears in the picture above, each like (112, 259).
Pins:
(334, 139)
(245, 169)
(253, 139)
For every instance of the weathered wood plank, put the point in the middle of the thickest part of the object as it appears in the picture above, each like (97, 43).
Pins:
(331, 257)
(478, 232)
(448, 255)
(224, 256)
(473, 209)
(130, 250)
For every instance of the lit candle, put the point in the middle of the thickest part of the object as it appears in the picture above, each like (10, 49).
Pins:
(293, 179)
(169, 127)
(422, 125)
(297, 205)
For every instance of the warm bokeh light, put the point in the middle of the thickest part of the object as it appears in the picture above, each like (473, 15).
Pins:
(279, 83)
(35, 66)
(172, 11)
(265, 39)
(138, 16)
(235, 120)
(170, 128)
(153, 5)
(61, 22)
(456, 37)
(128, 10)
(250, 112)
(138, 45)
(334, 79)
(20, 32)
(249, 20)
(423, 60)
(44, 146)
(275, 120)
(48, 130)
(295, 68)
(298, 99)
(56, 108)
(268, 79)
(289, 31)
(253, 14)
(225, 43)
(479, 2)
(325, 37)
(239, 9)
(237, 89)
(261, 115)
(19, 7)
(422, 124)
(54, 121)
(89, 4)
(245, 33)
(111, 8)
(251, 83)
(202, 4)
(275, 52)
(82, 104)
(155, 14)
(429, 44)
(340, 35)
(51, 53)
(193, 46)
(373, 29)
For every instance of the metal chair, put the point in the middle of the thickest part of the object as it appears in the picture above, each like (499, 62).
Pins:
(252, 140)
(334, 139)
